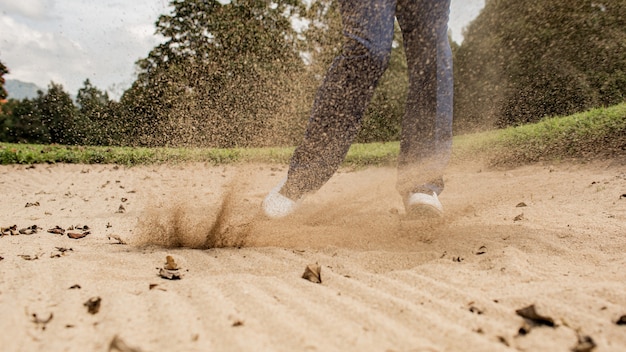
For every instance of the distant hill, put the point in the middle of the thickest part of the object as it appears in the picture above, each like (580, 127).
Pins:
(20, 90)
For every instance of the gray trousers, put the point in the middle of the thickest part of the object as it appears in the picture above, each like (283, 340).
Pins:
(340, 103)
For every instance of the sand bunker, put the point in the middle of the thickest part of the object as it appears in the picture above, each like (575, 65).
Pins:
(547, 236)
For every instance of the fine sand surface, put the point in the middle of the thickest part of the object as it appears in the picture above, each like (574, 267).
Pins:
(387, 284)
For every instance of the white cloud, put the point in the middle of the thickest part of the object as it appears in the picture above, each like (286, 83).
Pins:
(33, 9)
(461, 13)
(68, 41)
(40, 57)
(78, 40)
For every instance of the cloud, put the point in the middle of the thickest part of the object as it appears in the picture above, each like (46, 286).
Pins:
(33, 9)
(461, 13)
(79, 40)
(41, 57)
(68, 41)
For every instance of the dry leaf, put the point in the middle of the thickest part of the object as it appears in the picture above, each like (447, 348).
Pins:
(585, 344)
(171, 270)
(313, 273)
(76, 236)
(118, 345)
(93, 305)
(531, 314)
(30, 230)
(475, 310)
(41, 323)
(9, 231)
(117, 238)
(57, 230)
(170, 264)
(61, 253)
(169, 274)
(29, 257)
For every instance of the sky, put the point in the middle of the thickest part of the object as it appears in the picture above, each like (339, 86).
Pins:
(68, 41)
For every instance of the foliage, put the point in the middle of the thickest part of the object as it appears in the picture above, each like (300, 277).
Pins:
(3, 71)
(222, 76)
(52, 117)
(105, 123)
(21, 122)
(596, 133)
(58, 115)
(522, 60)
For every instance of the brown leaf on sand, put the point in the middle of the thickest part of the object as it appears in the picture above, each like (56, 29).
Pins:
(118, 345)
(313, 273)
(171, 270)
(117, 238)
(41, 323)
(482, 250)
(530, 313)
(77, 235)
(93, 305)
(62, 251)
(57, 230)
(29, 257)
(9, 231)
(30, 230)
(169, 274)
(585, 344)
(170, 264)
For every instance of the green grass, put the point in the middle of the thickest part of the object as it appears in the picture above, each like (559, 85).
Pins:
(595, 133)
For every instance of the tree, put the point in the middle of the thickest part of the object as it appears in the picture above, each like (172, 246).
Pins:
(221, 76)
(99, 116)
(59, 116)
(92, 102)
(21, 122)
(522, 60)
(3, 71)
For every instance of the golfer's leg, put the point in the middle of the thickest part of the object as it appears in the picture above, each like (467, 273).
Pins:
(341, 100)
(426, 138)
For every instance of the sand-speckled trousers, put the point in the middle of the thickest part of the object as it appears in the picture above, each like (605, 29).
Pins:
(341, 100)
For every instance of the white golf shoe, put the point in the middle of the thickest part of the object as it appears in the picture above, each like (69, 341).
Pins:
(277, 206)
(423, 206)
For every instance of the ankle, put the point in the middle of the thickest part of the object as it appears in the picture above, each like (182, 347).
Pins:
(290, 192)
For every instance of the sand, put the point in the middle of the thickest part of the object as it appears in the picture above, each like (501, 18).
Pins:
(387, 284)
